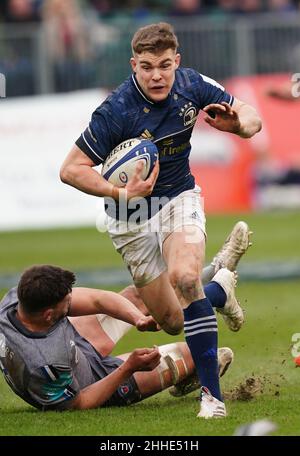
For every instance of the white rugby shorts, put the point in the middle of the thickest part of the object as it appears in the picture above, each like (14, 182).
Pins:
(141, 245)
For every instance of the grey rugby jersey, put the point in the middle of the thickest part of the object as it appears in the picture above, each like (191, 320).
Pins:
(47, 369)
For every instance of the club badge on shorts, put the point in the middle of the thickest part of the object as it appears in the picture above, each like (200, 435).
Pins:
(124, 390)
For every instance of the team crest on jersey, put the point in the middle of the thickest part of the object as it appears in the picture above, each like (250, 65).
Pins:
(189, 114)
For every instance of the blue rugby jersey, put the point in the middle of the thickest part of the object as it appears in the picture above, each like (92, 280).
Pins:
(128, 113)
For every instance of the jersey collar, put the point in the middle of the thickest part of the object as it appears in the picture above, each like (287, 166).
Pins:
(138, 88)
(11, 315)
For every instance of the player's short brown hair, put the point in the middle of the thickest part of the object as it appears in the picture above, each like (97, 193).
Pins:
(44, 286)
(154, 38)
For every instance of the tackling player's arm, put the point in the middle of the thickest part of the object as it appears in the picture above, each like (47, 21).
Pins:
(87, 301)
(77, 171)
(95, 395)
(240, 118)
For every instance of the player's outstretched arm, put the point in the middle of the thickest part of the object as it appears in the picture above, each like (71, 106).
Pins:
(282, 92)
(88, 301)
(95, 395)
(240, 118)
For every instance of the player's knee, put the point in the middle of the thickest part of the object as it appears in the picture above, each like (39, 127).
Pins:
(186, 283)
(104, 347)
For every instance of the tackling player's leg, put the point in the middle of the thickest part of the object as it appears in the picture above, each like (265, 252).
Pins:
(176, 367)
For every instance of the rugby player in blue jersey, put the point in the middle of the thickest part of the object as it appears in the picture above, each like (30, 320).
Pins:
(164, 248)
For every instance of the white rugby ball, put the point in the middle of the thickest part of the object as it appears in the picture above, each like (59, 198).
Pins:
(121, 163)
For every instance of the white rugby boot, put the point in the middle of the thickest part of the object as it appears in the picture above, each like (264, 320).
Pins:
(191, 383)
(225, 358)
(232, 312)
(210, 407)
(233, 248)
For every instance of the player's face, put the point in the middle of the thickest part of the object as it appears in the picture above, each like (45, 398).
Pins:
(61, 310)
(155, 73)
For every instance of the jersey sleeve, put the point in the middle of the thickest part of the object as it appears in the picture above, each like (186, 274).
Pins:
(210, 91)
(103, 134)
(53, 387)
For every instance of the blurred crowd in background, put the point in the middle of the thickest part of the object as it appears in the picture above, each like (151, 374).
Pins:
(51, 46)
(22, 11)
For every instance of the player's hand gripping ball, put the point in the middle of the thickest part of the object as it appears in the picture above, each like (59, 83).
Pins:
(121, 163)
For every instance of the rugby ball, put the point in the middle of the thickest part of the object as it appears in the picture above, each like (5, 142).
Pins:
(121, 163)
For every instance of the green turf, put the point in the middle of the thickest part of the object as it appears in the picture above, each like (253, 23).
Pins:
(262, 347)
(276, 238)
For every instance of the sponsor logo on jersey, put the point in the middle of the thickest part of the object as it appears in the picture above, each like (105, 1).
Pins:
(147, 135)
(2, 345)
(169, 150)
(5, 351)
(74, 351)
(168, 142)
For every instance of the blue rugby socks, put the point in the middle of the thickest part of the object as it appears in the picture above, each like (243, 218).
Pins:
(201, 334)
(215, 293)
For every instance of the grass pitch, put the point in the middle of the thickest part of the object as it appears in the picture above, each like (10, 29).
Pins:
(262, 348)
